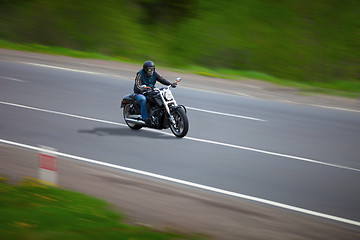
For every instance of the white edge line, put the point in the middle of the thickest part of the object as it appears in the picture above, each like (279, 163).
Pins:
(189, 138)
(191, 184)
(13, 79)
(272, 153)
(61, 113)
(73, 70)
(319, 106)
(225, 114)
(335, 108)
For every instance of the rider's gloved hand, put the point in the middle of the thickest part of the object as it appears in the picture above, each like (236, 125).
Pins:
(147, 89)
(173, 85)
(143, 88)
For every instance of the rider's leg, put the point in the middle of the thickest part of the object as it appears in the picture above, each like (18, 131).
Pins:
(142, 100)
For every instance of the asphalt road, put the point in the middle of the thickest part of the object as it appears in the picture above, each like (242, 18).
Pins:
(303, 156)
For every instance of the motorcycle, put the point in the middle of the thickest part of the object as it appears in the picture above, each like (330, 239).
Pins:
(163, 111)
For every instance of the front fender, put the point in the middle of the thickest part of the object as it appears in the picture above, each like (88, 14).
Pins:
(179, 106)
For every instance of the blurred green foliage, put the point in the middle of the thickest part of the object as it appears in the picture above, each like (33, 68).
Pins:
(291, 39)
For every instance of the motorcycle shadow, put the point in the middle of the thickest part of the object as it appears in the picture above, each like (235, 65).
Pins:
(101, 132)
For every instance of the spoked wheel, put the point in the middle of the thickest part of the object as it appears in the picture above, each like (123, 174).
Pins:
(126, 112)
(181, 126)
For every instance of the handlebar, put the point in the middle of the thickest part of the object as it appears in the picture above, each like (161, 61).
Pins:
(158, 89)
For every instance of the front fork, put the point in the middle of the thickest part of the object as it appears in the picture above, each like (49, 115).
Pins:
(172, 119)
(167, 108)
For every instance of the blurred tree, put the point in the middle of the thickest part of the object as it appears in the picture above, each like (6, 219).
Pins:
(165, 12)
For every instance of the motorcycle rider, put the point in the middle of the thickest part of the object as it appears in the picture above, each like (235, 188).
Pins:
(144, 82)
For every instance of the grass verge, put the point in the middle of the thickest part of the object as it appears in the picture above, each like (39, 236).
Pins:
(343, 88)
(35, 211)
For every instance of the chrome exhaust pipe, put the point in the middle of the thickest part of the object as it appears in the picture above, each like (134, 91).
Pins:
(135, 121)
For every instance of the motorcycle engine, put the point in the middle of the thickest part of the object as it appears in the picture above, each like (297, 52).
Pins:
(156, 115)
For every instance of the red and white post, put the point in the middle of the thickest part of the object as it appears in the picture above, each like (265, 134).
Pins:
(48, 165)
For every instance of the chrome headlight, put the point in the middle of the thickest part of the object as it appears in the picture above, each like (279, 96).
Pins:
(168, 96)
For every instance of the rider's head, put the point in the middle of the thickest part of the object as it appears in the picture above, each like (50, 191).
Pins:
(149, 68)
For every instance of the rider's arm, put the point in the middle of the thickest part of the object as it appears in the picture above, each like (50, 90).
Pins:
(162, 80)
(139, 83)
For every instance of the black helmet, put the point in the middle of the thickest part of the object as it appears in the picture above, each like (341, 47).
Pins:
(149, 68)
(148, 64)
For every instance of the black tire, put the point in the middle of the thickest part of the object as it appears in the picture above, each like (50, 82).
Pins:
(126, 112)
(181, 127)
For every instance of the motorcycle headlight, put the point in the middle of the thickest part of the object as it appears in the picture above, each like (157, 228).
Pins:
(168, 96)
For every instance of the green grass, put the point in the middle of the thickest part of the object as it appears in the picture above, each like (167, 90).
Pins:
(57, 51)
(34, 211)
(343, 88)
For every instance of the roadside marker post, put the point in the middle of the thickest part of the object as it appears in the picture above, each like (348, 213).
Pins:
(48, 165)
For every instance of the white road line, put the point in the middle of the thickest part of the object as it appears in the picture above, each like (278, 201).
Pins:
(225, 114)
(335, 108)
(61, 68)
(72, 70)
(61, 113)
(321, 106)
(189, 138)
(187, 183)
(272, 153)
(12, 79)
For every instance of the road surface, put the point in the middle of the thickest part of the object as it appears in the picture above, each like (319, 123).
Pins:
(303, 156)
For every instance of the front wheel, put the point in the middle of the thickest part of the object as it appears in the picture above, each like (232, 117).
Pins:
(181, 126)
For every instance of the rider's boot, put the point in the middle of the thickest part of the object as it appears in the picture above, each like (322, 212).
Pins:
(148, 122)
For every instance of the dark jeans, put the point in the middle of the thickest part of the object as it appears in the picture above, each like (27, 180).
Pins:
(142, 100)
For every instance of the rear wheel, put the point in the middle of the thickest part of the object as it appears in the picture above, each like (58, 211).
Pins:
(126, 112)
(181, 126)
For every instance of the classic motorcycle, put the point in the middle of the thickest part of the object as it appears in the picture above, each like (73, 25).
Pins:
(163, 111)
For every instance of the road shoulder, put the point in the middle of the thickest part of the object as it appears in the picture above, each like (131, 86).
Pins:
(164, 205)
